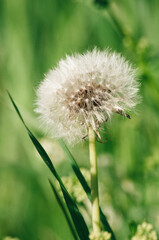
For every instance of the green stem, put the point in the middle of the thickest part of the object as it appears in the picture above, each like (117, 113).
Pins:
(94, 181)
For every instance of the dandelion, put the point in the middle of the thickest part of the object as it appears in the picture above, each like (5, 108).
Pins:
(80, 94)
(85, 90)
(145, 231)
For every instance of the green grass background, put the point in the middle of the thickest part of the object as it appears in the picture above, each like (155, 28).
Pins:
(34, 36)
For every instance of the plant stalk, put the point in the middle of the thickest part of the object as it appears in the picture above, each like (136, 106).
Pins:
(94, 182)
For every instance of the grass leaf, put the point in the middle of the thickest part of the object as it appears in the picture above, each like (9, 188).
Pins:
(61, 204)
(85, 185)
(77, 218)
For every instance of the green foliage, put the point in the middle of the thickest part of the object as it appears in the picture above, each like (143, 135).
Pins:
(10, 238)
(133, 228)
(34, 36)
(60, 202)
(102, 3)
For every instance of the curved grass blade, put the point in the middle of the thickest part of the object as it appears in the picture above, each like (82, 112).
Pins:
(85, 186)
(76, 216)
(60, 202)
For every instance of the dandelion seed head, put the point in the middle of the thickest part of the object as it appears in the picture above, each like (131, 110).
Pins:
(85, 90)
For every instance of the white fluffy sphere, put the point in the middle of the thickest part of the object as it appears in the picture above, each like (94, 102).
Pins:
(85, 90)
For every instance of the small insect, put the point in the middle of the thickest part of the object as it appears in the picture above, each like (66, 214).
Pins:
(121, 112)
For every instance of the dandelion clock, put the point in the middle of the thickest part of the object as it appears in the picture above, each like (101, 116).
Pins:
(85, 90)
(80, 94)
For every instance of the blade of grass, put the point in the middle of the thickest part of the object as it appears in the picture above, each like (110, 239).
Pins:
(85, 186)
(76, 216)
(61, 204)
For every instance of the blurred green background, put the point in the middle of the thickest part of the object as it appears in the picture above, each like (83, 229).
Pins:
(34, 35)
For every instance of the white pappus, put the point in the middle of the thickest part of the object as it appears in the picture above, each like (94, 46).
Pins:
(85, 90)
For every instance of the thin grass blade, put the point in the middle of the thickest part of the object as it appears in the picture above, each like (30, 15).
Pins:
(76, 216)
(62, 206)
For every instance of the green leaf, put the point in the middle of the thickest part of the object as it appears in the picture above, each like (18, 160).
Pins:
(85, 186)
(77, 218)
(102, 3)
(61, 204)
(133, 228)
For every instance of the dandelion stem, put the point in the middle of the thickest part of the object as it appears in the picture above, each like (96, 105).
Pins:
(94, 181)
